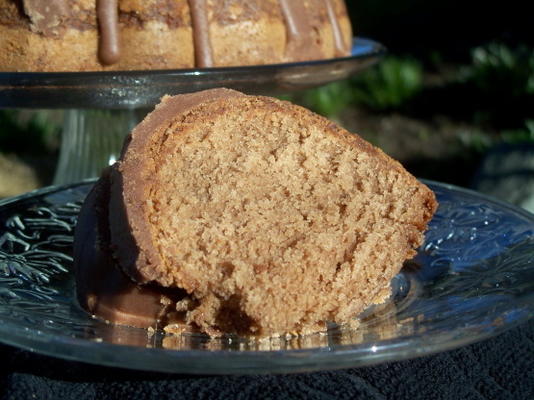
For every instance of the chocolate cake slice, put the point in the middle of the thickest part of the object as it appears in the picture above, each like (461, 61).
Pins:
(271, 218)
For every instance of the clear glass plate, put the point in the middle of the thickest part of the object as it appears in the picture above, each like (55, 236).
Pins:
(472, 279)
(137, 89)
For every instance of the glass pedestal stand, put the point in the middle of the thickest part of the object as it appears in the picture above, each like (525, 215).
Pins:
(91, 140)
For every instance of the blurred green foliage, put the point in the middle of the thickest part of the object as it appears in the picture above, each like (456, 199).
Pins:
(499, 69)
(481, 141)
(329, 100)
(475, 140)
(518, 136)
(32, 135)
(494, 92)
(501, 79)
(388, 86)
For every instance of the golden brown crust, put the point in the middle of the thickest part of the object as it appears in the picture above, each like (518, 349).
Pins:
(157, 34)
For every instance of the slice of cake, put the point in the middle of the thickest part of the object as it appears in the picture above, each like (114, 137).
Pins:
(269, 217)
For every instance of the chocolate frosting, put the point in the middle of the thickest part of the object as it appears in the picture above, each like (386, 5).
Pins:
(107, 12)
(299, 31)
(340, 45)
(49, 17)
(102, 288)
(201, 36)
(104, 227)
(46, 16)
(131, 178)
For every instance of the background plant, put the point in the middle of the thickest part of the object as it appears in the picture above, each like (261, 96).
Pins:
(30, 132)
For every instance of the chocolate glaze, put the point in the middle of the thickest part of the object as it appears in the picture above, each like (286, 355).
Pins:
(50, 17)
(102, 288)
(107, 12)
(104, 227)
(340, 44)
(132, 246)
(201, 36)
(46, 16)
(300, 43)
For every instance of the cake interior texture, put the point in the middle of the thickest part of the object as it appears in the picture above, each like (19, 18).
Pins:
(271, 218)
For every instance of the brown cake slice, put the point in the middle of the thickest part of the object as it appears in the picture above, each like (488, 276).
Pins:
(272, 218)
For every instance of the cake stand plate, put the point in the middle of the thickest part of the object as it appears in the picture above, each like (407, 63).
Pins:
(472, 279)
(138, 89)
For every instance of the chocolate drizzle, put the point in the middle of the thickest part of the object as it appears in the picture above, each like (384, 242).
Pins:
(52, 17)
(107, 12)
(340, 44)
(201, 36)
(300, 45)
(46, 16)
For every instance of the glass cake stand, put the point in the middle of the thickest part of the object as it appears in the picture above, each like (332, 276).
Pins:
(101, 106)
(473, 278)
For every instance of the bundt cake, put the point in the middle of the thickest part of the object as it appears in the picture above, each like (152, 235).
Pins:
(92, 35)
(249, 215)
